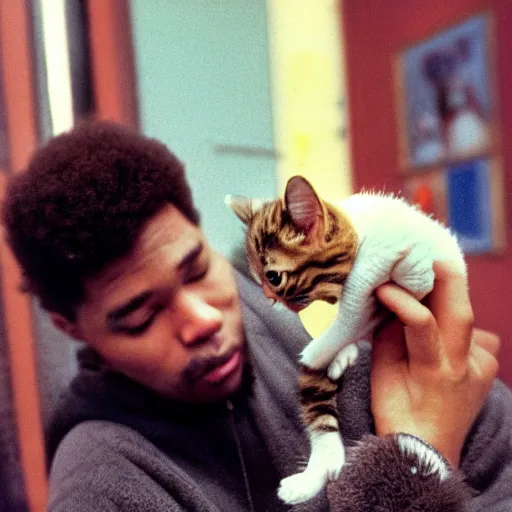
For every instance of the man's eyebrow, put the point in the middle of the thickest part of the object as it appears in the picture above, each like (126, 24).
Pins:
(190, 256)
(129, 307)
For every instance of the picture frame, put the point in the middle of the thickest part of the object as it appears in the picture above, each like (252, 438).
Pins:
(427, 191)
(445, 89)
(467, 197)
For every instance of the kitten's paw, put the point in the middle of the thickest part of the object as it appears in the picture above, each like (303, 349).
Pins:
(311, 356)
(346, 357)
(327, 459)
(300, 487)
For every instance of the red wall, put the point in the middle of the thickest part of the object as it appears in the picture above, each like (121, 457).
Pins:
(374, 32)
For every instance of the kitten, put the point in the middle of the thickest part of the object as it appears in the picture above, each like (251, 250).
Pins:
(301, 249)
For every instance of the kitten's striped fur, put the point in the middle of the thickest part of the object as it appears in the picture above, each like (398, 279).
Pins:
(311, 262)
(318, 400)
(301, 249)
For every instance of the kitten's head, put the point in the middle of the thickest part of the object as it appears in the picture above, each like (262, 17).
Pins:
(300, 248)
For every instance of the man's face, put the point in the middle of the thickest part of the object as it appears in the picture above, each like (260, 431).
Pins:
(168, 316)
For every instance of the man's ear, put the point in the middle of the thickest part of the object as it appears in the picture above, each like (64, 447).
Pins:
(64, 325)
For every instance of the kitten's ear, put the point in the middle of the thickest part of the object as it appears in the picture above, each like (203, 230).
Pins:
(302, 204)
(243, 207)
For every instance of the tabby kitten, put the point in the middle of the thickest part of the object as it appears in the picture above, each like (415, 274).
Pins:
(302, 249)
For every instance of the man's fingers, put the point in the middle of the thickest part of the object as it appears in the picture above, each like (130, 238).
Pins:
(400, 302)
(487, 340)
(450, 305)
(485, 364)
(420, 326)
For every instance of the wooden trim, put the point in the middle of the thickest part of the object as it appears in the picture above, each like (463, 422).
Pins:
(21, 122)
(112, 61)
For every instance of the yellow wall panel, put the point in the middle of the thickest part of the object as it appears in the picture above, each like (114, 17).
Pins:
(309, 106)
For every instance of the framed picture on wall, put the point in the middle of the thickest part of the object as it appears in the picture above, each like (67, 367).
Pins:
(474, 192)
(428, 192)
(445, 96)
(466, 196)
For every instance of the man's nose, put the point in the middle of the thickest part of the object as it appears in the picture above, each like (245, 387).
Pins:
(198, 319)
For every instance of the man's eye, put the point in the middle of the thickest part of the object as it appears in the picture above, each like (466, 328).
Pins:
(139, 329)
(136, 330)
(197, 274)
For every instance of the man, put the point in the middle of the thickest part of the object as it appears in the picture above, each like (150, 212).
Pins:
(186, 394)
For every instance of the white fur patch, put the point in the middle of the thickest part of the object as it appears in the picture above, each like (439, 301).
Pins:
(325, 463)
(346, 357)
(397, 243)
(429, 460)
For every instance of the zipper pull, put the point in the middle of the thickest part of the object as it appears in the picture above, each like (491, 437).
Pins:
(229, 405)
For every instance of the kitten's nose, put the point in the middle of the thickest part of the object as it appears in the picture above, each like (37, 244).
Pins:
(269, 292)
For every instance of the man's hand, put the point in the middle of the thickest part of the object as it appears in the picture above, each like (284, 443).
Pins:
(431, 370)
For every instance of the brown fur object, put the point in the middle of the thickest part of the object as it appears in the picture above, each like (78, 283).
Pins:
(81, 204)
(393, 482)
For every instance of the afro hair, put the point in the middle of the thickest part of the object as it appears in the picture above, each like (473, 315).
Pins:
(82, 203)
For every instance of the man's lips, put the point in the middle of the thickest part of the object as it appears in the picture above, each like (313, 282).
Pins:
(213, 369)
(219, 373)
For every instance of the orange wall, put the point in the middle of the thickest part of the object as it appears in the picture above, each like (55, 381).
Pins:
(374, 33)
(17, 67)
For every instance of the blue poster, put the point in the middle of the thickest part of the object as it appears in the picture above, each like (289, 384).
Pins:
(469, 205)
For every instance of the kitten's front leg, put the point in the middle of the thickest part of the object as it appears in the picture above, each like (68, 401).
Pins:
(354, 316)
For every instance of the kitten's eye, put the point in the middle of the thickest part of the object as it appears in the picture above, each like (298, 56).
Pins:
(273, 277)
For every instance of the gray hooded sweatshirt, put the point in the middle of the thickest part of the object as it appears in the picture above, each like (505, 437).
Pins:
(114, 445)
